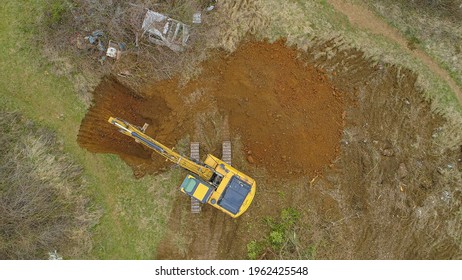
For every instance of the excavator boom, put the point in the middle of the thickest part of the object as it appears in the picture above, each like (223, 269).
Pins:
(130, 130)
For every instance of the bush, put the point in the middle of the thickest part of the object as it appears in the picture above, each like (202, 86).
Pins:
(254, 249)
(42, 195)
(282, 241)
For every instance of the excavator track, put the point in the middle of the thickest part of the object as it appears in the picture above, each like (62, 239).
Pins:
(226, 150)
(226, 147)
(195, 204)
(218, 219)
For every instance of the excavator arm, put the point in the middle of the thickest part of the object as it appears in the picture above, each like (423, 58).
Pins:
(128, 129)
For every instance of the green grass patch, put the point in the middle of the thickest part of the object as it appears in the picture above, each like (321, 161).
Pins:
(56, 11)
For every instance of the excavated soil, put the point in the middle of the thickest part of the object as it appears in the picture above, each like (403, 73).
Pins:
(112, 99)
(287, 114)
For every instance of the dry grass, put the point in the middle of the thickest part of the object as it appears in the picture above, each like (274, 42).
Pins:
(234, 20)
(42, 195)
(433, 25)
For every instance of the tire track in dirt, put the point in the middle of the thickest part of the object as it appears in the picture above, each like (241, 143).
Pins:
(366, 19)
(218, 230)
(207, 236)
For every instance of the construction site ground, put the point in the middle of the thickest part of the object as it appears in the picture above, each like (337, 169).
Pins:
(333, 138)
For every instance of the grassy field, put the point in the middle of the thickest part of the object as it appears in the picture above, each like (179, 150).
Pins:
(131, 225)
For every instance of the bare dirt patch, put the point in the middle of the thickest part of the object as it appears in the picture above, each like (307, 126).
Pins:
(287, 114)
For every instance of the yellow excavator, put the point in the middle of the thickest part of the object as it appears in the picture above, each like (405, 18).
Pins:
(212, 181)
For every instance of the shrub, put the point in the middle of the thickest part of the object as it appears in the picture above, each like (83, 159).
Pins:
(282, 241)
(42, 195)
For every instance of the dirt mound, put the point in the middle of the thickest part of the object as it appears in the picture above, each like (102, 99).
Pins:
(287, 114)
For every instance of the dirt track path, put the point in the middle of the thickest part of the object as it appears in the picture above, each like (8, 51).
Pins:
(364, 18)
